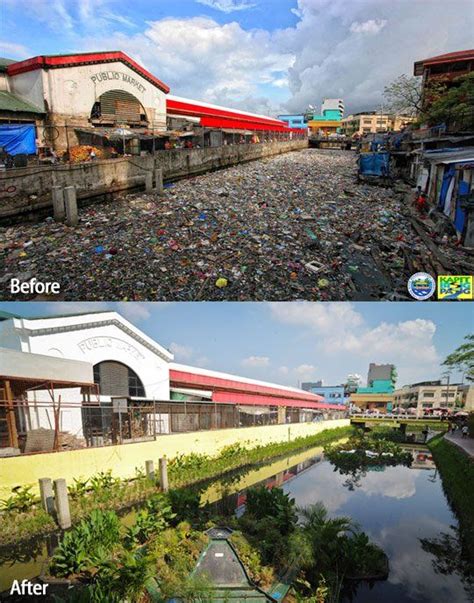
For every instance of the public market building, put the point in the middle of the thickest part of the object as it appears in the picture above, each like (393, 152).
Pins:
(60, 101)
(95, 379)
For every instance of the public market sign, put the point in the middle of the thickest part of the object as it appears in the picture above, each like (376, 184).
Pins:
(104, 76)
(93, 343)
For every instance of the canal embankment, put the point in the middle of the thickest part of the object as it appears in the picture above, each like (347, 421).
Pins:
(106, 489)
(456, 467)
(28, 191)
(124, 459)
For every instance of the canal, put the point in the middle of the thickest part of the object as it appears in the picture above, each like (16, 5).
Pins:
(402, 509)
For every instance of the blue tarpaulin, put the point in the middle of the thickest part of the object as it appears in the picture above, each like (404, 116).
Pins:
(374, 164)
(460, 216)
(18, 139)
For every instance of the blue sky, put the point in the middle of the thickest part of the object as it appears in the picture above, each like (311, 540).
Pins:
(291, 342)
(269, 56)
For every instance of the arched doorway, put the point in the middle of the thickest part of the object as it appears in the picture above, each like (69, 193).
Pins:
(117, 107)
(117, 379)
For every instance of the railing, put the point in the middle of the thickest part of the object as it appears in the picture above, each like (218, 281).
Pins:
(44, 426)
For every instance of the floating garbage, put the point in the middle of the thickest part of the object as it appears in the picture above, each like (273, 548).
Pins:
(294, 226)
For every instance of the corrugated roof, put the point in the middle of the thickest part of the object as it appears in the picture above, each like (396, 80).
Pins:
(11, 102)
(4, 62)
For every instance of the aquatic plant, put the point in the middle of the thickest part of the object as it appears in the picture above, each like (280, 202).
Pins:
(86, 544)
(152, 519)
(20, 500)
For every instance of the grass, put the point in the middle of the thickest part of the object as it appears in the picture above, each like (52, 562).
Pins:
(457, 474)
(116, 494)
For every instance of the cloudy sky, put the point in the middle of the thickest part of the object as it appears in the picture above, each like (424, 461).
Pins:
(268, 56)
(293, 342)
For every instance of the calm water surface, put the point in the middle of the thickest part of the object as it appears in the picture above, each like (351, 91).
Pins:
(396, 507)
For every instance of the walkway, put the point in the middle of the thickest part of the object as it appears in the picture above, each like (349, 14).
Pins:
(466, 444)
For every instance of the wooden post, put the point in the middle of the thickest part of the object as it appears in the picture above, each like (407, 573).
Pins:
(159, 180)
(164, 474)
(46, 494)
(62, 504)
(11, 419)
(59, 210)
(70, 203)
(150, 469)
(148, 182)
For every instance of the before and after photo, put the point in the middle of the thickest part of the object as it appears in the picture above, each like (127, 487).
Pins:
(236, 285)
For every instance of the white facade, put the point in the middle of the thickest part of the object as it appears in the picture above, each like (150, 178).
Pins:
(72, 91)
(93, 338)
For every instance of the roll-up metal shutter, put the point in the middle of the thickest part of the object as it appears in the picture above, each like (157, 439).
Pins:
(120, 107)
(113, 379)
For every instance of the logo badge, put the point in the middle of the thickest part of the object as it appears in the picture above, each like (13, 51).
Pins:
(457, 286)
(421, 286)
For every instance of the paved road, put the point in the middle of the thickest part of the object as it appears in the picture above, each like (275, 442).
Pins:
(467, 444)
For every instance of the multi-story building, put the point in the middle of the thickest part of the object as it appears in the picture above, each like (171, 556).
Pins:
(427, 396)
(309, 385)
(332, 394)
(378, 395)
(294, 121)
(372, 122)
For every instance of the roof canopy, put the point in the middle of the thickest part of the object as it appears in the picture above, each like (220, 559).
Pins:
(84, 58)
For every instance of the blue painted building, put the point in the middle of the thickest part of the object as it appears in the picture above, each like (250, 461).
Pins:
(332, 394)
(294, 121)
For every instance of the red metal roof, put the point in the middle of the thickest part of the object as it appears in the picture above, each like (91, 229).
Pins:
(450, 57)
(86, 58)
(222, 117)
(225, 390)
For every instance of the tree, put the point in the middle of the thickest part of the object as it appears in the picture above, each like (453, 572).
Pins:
(462, 359)
(405, 95)
(454, 105)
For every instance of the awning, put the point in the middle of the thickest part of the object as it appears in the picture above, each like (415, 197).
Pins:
(243, 132)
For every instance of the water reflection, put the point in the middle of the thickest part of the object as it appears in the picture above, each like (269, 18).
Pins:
(397, 507)
(402, 509)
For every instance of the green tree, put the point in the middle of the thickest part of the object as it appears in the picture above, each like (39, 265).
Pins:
(404, 95)
(454, 105)
(462, 359)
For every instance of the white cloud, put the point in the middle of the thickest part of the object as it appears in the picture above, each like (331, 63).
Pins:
(305, 371)
(226, 6)
(372, 26)
(283, 370)
(134, 311)
(17, 51)
(181, 352)
(256, 362)
(340, 332)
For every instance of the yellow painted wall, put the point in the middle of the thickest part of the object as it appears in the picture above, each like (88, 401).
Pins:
(123, 459)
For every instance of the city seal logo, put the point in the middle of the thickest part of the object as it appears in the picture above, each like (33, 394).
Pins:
(421, 286)
(457, 286)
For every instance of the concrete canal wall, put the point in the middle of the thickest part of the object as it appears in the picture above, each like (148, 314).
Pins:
(123, 459)
(24, 191)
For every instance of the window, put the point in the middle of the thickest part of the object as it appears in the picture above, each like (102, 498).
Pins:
(428, 394)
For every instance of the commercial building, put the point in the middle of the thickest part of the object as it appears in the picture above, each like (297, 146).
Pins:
(372, 122)
(378, 395)
(294, 121)
(328, 122)
(66, 99)
(114, 384)
(427, 396)
(445, 67)
(331, 394)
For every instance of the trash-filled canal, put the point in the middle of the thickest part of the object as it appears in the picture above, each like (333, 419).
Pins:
(402, 509)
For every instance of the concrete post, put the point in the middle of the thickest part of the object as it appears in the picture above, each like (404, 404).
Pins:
(70, 202)
(149, 181)
(150, 469)
(159, 180)
(62, 503)
(59, 210)
(46, 494)
(164, 474)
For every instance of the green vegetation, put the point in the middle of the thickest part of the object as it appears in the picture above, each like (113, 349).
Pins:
(316, 553)
(462, 359)
(22, 516)
(457, 474)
